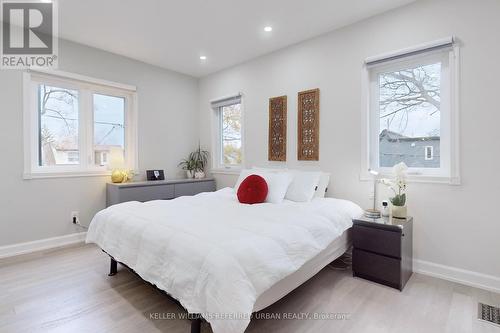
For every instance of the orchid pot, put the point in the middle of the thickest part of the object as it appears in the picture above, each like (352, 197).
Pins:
(398, 187)
(399, 212)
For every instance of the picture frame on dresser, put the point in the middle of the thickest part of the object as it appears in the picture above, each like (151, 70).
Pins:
(154, 175)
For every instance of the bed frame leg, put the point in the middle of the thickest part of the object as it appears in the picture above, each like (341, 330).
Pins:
(113, 267)
(196, 325)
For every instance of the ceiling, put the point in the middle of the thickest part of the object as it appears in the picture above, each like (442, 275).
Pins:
(174, 34)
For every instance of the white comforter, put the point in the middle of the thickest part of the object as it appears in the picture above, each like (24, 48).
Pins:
(215, 255)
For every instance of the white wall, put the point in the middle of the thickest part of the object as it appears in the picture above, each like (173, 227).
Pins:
(168, 130)
(456, 226)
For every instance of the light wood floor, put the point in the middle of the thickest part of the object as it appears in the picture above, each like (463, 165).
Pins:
(68, 290)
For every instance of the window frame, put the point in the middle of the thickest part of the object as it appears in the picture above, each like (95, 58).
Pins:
(217, 159)
(449, 113)
(86, 87)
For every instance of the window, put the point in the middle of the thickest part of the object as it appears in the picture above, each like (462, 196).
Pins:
(229, 131)
(58, 131)
(231, 134)
(429, 153)
(412, 113)
(109, 126)
(73, 122)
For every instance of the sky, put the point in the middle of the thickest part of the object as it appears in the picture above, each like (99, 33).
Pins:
(109, 109)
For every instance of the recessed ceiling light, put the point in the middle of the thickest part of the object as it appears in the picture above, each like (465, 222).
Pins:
(268, 29)
(203, 57)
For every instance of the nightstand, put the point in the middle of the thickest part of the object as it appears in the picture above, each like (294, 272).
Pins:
(383, 250)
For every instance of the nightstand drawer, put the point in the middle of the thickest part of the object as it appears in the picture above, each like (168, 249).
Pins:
(377, 240)
(376, 267)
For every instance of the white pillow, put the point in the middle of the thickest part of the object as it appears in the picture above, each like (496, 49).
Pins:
(303, 186)
(277, 183)
(324, 179)
(244, 173)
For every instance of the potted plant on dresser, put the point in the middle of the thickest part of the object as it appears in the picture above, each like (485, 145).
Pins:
(398, 186)
(195, 163)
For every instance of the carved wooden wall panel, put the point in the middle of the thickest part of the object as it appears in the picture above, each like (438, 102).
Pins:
(308, 126)
(277, 128)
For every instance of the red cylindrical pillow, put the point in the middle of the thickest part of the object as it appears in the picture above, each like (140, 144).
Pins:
(252, 190)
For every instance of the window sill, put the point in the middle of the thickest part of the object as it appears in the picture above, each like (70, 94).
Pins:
(455, 181)
(48, 175)
(226, 171)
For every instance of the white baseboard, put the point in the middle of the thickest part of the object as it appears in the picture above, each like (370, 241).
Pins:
(469, 278)
(40, 245)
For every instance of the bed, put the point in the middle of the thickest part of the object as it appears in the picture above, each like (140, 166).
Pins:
(222, 259)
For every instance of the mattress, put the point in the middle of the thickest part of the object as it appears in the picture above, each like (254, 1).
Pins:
(283, 287)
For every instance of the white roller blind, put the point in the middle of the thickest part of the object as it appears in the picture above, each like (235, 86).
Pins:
(442, 44)
(226, 101)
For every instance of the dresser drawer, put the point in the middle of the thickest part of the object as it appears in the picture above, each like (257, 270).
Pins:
(142, 193)
(376, 267)
(156, 190)
(381, 241)
(194, 188)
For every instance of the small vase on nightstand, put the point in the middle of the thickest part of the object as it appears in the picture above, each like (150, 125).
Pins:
(399, 212)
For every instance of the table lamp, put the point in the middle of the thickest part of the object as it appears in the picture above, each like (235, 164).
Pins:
(116, 165)
(373, 212)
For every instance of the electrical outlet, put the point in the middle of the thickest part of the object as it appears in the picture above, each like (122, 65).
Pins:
(75, 217)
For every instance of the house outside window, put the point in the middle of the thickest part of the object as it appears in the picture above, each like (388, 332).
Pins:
(73, 157)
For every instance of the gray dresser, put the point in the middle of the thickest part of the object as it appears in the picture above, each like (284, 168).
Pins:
(156, 190)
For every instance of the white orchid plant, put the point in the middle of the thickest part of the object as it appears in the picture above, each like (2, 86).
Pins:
(398, 184)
